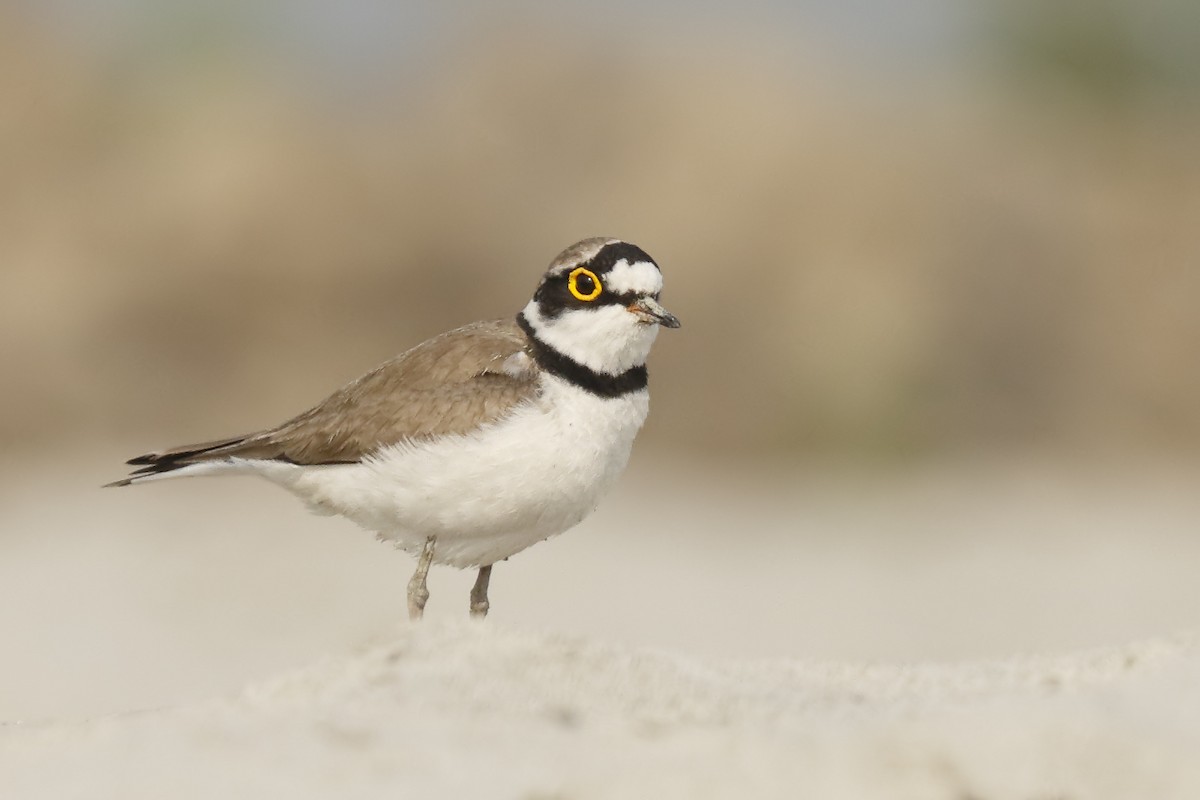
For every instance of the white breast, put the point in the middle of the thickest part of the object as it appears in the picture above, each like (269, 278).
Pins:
(489, 494)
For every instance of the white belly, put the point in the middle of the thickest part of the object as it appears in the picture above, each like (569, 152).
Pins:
(487, 495)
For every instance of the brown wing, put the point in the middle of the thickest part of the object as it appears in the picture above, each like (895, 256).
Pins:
(451, 384)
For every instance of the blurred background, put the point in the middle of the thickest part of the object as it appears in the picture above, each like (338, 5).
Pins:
(936, 394)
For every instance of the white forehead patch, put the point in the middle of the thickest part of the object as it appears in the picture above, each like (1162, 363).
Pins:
(640, 277)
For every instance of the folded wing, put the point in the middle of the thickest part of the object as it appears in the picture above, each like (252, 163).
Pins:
(451, 384)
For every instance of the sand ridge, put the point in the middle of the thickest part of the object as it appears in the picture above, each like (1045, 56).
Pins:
(446, 709)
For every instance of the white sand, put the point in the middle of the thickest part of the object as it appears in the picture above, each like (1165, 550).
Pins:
(445, 710)
(704, 635)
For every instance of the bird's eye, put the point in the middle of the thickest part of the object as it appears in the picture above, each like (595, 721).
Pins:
(584, 284)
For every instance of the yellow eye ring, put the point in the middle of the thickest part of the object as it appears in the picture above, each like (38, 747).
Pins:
(587, 276)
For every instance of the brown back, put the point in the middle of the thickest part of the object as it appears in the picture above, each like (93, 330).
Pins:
(451, 384)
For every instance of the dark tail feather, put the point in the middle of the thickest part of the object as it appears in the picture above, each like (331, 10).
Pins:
(155, 468)
(175, 458)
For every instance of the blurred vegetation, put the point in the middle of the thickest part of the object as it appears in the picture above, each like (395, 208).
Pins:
(200, 238)
(1112, 51)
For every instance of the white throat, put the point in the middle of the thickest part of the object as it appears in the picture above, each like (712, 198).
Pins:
(607, 339)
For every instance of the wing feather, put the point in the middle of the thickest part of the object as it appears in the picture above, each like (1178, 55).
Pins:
(451, 384)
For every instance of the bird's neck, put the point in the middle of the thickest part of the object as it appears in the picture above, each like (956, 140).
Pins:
(562, 365)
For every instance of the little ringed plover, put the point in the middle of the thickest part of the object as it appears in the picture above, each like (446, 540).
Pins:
(482, 441)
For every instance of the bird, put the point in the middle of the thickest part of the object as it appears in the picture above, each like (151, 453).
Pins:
(480, 442)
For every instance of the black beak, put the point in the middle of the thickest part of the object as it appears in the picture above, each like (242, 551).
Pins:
(649, 310)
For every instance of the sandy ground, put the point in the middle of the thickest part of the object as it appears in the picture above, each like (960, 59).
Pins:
(454, 710)
(764, 632)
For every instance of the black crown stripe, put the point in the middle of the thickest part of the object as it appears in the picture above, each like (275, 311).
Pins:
(608, 256)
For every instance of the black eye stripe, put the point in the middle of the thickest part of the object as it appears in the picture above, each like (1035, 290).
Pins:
(554, 295)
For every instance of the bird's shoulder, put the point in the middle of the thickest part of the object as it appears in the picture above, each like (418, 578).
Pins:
(457, 356)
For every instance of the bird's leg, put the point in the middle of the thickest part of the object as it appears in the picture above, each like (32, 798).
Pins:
(418, 593)
(479, 601)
